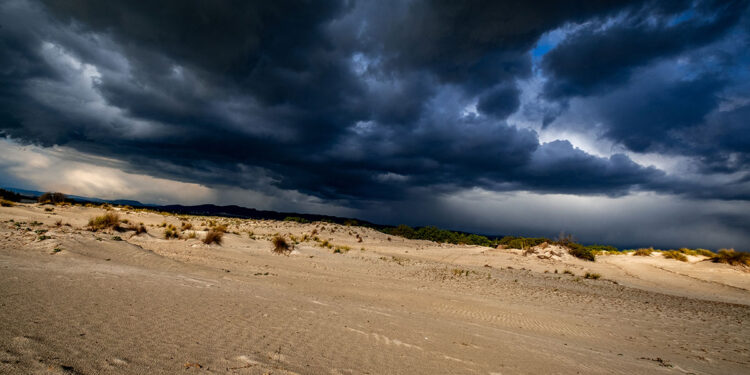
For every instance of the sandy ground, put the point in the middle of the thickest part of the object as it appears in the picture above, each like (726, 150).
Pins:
(86, 303)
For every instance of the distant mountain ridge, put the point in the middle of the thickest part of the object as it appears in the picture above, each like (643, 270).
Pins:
(124, 202)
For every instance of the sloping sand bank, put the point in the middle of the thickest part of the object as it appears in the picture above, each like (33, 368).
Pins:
(90, 303)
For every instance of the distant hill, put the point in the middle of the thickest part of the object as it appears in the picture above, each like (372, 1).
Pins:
(78, 198)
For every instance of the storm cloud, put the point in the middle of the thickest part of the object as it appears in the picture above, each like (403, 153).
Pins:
(358, 103)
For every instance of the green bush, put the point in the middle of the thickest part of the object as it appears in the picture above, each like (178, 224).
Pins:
(435, 234)
(579, 251)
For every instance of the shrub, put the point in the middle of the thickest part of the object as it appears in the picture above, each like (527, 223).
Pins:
(644, 252)
(220, 228)
(674, 254)
(213, 236)
(591, 275)
(6, 203)
(522, 243)
(171, 232)
(192, 234)
(53, 198)
(187, 225)
(109, 220)
(138, 229)
(581, 252)
(732, 257)
(280, 246)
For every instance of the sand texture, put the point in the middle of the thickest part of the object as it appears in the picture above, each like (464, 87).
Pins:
(83, 302)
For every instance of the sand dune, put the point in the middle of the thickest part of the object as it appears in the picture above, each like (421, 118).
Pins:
(85, 302)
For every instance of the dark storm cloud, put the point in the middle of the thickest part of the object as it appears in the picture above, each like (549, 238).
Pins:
(355, 101)
(600, 56)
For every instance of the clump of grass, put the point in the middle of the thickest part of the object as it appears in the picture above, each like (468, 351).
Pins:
(674, 254)
(705, 253)
(192, 234)
(644, 252)
(280, 246)
(460, 272)
(732, 257)
(213, 236)
(220, 228)
(140, 228)
(116, 238)
(6, 203)
(49, 209)
(341, 249)
(109, 220)
(187, 225)
(591, 275)
(568, 272)
(171, 232)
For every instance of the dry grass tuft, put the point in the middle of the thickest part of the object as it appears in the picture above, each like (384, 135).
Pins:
(6, 203)
(171, 232)
(644, 252)
(213, 236)
(140, 228)
(109, 220)
(280, 246)
(674, 254)
(732, 257)
(591, 275)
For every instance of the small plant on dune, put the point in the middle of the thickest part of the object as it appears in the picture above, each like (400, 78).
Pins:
(644, 252)
(581, 252)
(280, 246)
(116, 238)
(187, 225)
(213, 236)
(705, 253)
(341, 249)
(192, 234)
(591, 275)
(732, 257)
(673, 254)
(568, 272)
(171, 232)
(109, 220)
(49, 209)
(460, 272)
(140, 228)
(220, 228)
(6, 203)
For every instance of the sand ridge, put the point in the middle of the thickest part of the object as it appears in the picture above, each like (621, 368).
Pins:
(108, 302)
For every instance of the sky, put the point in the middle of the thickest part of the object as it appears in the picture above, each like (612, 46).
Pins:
(619, 122)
